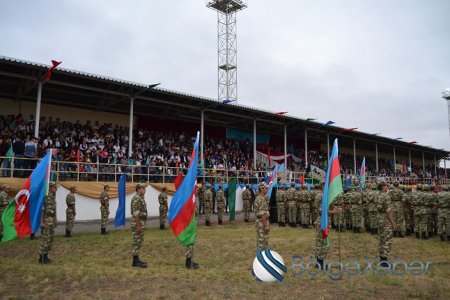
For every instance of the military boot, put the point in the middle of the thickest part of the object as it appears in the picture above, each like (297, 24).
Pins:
(384, 262)
(417, 235)
(220, 222)
(396, 233)
(103, 231)
(68, 233)
(137, 263)
(162, 226)
(46, 260)
(190, 264)
(32, 236)
(41, 259)
(207, 223)
(442, 238)
(424, 236)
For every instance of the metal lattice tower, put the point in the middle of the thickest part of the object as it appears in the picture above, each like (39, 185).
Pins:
(446, 96)
(227, 46)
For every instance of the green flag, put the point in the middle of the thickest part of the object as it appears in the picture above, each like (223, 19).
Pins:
(10, 152)
(9, 230)
(232, 184)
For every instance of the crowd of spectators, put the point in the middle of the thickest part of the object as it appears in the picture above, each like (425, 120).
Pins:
(94, 151)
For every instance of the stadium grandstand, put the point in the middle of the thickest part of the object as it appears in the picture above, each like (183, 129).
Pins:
(99, 127)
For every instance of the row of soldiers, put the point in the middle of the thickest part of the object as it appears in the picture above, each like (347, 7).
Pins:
(423, 211)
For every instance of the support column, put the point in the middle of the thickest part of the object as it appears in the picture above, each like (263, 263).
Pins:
(254, 144)
(423, 161)
(395, 161)
(306, 148)
(328, 145)
(38, 110)
(376, 157)
(130, 132)
(410, 163)
(354, 156)
(435, 165)
(445, 168)
(285, 146)
(202, 135)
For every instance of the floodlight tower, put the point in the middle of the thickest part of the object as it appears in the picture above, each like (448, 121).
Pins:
(446, 96)
(227, 46)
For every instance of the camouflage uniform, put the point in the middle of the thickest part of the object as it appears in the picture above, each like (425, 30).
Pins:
(398, 203)
(138, 208)
(49, 217)
(337, 220)
(70, 212)
(365, 209)
(208, 205)
(246, 199)
(431, 204)
(281, 207)
(3, 204)
(298, 197)
(261, 207)
(443, 206)
(104, 197)
(420, 214)
(373, 211)
(321, 248)
(409, 216)
(312, 205)
(357, 212)
(201, 199)
(220, 198)
(347, 210)
(162, 199)
(385, 230)
(292, 206)
(305, 208)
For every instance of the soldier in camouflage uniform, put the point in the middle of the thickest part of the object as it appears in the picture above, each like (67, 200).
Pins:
(138, 222)
(305, 208)
(281, 206)
(420, 213)
(261, 208)
(48, 224)
(365, 208)
(432, 211)
(312, 205)
(443, 206)
(104, 208)
(356, 210)
(162, 199)
(347, 211)
(409, 216)
(70, 211)
(201, 199)
(398, 204)
(292, 205)
(208, 204)
(337, 220)
(373, 211)
(246, 199)
(4, 202)
(220, 198)
(298, 191)
(321, 247)
(386, 223)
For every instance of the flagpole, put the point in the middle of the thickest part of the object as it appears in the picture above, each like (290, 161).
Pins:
(339, 237)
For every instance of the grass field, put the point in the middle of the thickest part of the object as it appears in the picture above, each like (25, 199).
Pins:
(90, 265)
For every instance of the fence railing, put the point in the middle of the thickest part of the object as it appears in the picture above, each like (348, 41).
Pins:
(18, 167)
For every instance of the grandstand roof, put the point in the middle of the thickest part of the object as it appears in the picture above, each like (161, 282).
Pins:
(19, 80)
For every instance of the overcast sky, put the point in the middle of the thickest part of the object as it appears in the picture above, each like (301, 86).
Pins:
(379, 65)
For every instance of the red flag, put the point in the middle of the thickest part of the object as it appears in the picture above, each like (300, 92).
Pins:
(50, 70)
(178, 180)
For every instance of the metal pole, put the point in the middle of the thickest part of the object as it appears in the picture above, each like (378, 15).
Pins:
(445, 168)
(285, 146)
(130, 134)
(254, 144)
(376, 156)
(38, 110)
(395, 162)
(423, 161)
(306, 148)
(435, 166)
(354, 155)
(202, 131)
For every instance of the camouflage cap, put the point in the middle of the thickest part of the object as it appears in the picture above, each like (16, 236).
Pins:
(261, 184)
(164, 188)
(396, 183)
(52, 184)
(141, 185)
(73, 188)
(419, 186)
(381, 184)
(105, 186)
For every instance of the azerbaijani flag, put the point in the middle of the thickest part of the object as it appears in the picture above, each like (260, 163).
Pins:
(273, 179)
(23, 216)
(332, 188)
(362, 175)
(182, 207)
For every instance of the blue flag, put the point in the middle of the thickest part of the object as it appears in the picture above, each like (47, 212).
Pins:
(273, 178)
(119, 220)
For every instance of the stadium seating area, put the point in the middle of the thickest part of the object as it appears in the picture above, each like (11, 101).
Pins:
(97, 145)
